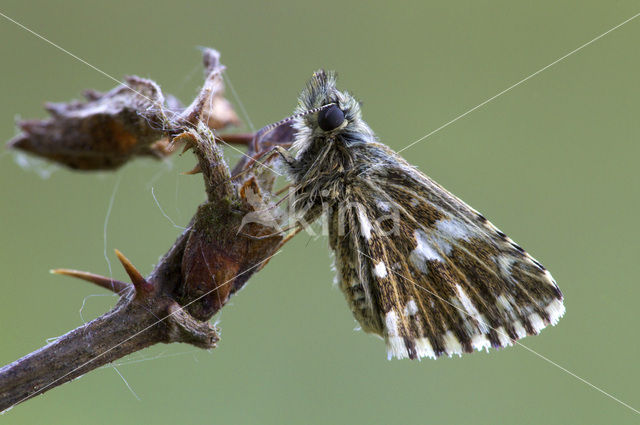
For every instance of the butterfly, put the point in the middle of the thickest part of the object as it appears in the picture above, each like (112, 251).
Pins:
(417, 266)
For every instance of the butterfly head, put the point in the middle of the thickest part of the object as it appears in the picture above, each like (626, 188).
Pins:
(339, 113)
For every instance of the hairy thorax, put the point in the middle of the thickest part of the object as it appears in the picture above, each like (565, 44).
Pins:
(322, 173)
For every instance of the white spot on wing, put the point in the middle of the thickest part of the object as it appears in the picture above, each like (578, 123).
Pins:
(380, 270)
(471, 309)
(449, 230)
(480, 342)
(555, 310)
(424, 251)
(383, 206)
(391, 322)
(505, 341)
(451, 344)
(506, 304)
(424, 348)
(411, 308)
(520, 330)
(536, 322)
(396, 348)
(505, 264)
(466, 302)
(453, 229)
(437, 242)
(365, 224)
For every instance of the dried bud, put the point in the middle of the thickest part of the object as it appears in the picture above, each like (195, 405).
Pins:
(210, 106)
(101, 133)
(135, 119)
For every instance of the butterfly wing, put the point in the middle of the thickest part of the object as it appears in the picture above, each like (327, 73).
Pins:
(431, 275)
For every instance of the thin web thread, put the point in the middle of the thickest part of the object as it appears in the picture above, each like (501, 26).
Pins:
(164, 213)
(225, 75)
(520, 82)
(104, 229)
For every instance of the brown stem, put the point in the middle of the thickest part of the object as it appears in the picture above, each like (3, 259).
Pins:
(130, 327)
(100, 341)
(209, 262)
(139, 320)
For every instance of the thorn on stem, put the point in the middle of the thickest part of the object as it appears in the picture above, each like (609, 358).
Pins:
(187, 139)
(139, 282)
(113, 285)
(196, 170)
(187, 148)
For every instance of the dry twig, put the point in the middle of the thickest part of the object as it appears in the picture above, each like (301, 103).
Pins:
(208, 263)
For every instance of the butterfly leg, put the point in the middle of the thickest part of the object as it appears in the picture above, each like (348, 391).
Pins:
(262, 158)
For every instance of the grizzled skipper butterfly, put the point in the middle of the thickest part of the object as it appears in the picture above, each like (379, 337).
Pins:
(417, 265)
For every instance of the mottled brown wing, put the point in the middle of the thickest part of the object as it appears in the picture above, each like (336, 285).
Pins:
(431, 275)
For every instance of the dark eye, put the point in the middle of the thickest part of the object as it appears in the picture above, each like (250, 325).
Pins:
(330, 118)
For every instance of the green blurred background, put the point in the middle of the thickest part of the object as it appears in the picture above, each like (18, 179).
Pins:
(552, 162)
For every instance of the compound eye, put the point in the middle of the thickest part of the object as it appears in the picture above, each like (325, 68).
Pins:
(330, 118)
